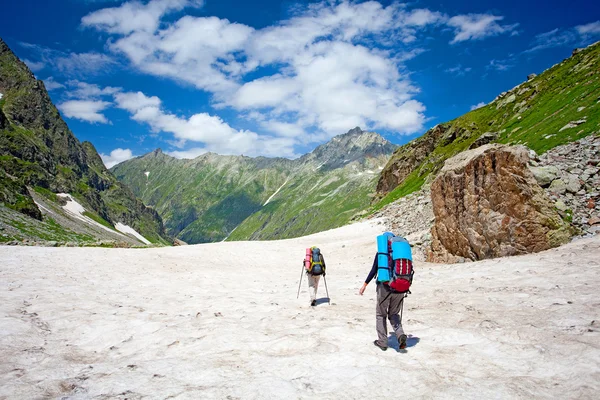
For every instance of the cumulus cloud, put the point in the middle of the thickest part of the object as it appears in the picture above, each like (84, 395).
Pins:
(212, 131)
(116, 156)
(333, 65)
(85, 110)
(135, 16)
(83, 90)
(478, 26)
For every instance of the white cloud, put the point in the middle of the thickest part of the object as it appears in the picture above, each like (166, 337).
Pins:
(85, 110)
(51, 84)
(116, 156)
(478, 105)
(212, 131)
(478, 26)
(83, 90)
(330, 67)
(135, 16)
(33, 65)
(83, 64)
(70, 64)
(593, 28)
(188, 154)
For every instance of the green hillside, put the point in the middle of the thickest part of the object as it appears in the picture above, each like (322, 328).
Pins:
(556, 107)
(215, 197)
(38, 153)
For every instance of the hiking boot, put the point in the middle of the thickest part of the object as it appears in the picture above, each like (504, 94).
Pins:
(313, 303)
(376, 343)
(402, 342)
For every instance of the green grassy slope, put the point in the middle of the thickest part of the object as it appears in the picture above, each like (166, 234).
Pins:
(531, 114)
(205, 199)
(37, 150)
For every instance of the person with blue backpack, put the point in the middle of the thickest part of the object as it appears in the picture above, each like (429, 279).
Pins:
(393, 267)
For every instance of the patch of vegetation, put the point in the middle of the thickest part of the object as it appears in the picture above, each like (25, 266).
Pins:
(98, 219)
(47, 194)
(536, 114)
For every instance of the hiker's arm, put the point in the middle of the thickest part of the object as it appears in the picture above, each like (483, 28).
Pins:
(370, 276)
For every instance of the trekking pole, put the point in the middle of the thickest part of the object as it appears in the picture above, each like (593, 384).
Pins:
(327, 291)
(402, 308)
(300, 283)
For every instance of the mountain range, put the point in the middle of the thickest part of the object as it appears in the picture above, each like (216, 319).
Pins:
(214, 197)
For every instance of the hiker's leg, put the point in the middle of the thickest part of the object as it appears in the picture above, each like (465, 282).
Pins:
(396, 300)
(312, 286)
(317, 279)
(381, 314)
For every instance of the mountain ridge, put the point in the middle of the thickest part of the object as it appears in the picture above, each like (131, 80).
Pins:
(38, 152)
(250, 189)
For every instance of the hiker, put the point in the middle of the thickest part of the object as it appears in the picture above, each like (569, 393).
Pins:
(314, 264)
(394, 276)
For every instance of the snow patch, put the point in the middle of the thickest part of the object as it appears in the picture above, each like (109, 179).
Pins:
(127, 229)
(380, 168)
(273, 195)
(1, 96)
(147, 173)
(76, 210)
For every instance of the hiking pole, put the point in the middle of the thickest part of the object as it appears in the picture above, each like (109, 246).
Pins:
(300, 283)
(402, 308)
(327, 291)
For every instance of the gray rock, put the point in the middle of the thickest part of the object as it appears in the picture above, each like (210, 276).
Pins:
(560, 205)
(558, 186)
(573, 124)
(545, 175)
(573, 184)
(531, 76)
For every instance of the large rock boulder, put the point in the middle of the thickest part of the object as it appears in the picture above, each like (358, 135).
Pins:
(488, 204)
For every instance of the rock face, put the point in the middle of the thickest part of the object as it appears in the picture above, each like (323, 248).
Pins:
(488, 204)
(570, 175)
(408, 157)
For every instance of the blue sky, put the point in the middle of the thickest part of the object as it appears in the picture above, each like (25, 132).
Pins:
(277, 78)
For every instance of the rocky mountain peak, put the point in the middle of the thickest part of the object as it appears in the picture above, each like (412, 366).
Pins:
(354, 145)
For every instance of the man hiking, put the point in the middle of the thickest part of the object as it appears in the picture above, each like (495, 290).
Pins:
(315, 267)
(394, 276)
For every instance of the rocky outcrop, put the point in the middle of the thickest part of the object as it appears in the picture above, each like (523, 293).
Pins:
(408, 157)
(488, 204)
(570, 175)
(485, 138)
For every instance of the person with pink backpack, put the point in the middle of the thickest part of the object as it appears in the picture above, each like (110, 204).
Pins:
(314, 266)
(393, 267)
